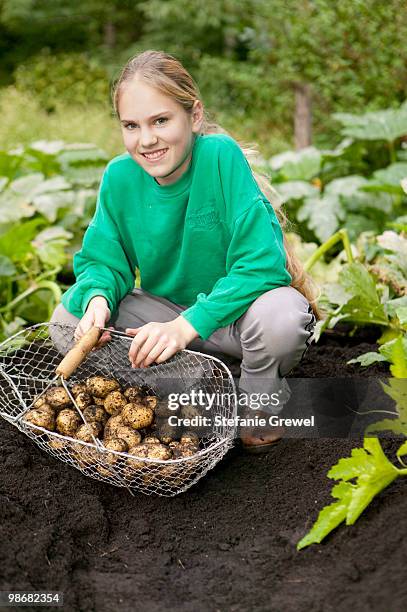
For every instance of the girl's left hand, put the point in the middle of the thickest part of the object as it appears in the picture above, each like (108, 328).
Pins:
(157, 342)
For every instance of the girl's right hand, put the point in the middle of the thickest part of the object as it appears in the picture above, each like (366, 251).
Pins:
(97, 315)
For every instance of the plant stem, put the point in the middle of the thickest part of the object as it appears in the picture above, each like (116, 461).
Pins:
(341, 235)
(49, 273)
(392, 152)
(53, 287)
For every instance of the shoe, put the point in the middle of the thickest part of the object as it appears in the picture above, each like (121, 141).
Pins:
(262, 443)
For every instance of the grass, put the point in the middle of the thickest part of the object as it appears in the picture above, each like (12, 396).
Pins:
(24, 121)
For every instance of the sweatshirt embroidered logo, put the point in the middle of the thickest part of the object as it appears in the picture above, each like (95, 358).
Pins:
(203, 218)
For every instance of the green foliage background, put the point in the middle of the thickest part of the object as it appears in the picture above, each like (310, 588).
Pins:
(352, 53)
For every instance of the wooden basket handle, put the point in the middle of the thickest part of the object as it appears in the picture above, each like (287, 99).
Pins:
(78, 353)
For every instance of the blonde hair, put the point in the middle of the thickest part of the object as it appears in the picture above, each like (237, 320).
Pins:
(168, 75)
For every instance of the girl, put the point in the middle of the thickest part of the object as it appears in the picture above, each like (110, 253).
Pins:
(183, 206)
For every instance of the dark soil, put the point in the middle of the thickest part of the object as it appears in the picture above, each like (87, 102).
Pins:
(227, 544)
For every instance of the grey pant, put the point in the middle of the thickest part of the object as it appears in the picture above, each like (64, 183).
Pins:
(267, 341)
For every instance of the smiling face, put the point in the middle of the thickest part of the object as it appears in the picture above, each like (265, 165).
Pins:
(156, 124)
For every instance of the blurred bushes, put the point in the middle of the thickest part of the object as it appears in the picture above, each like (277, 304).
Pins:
(73, 78)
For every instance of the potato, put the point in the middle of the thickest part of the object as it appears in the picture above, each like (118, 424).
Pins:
(162, 411)
(99, 401)
(182, 450)
(141, 450)
(85, 455)
(104, 471)
(151, 440)
(190, 438)
(57, 397)
(149, 472)
(84, 432)
(100, 387)
(78, 388)
(151, 401)
(189, 411)
(176, 449)
(166, 433)
(95, 413)
(158, 451)
(114, 402)
(83, 400)
(137, 416)
(57, 444)
(111, 426)
(132, 437)
(188, 450)
(133, 394)
(115, 444)
(152, 451)
(39, 401)
(41, 417)
(68, 422)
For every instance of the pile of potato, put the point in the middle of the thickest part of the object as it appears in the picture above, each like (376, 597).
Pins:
(125, 420)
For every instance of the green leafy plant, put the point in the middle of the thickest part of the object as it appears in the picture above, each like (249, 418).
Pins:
(361, 477)
(47, 196)
(358, 186)
(369, 288)
(366, 472)
(394, 352)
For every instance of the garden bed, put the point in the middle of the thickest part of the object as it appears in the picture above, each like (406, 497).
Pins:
(228, 543)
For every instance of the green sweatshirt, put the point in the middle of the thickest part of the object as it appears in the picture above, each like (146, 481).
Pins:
(210, 241)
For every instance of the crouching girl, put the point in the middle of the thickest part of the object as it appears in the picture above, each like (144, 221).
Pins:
(183, 206)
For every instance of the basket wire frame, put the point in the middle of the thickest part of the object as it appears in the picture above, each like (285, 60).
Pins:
(27, 369)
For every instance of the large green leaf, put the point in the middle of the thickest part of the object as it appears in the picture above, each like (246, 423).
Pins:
(48, 147)
(392, 175)
(399, 358)
(50, 245)
(346, 186)
(14, 207)
(365, 304)
(10, 162)
(48, 204)
(16, 199)
(87, 176)
(322, 215)
(398, 308)
(36, 308)
(7, 268)
(75, 155)
(394, 242)
(399, 224)
(366, 359)
(374, 474)
(296, 190)
(27, 185)
(356, 224)
(362, 200)
(16, 242)
(329, 517)
(372, 471)
(379, 125)
(298, 165)
(336, 293)
(387, 349)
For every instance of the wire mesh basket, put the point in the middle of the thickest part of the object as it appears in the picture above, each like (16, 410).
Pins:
(28, 361)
